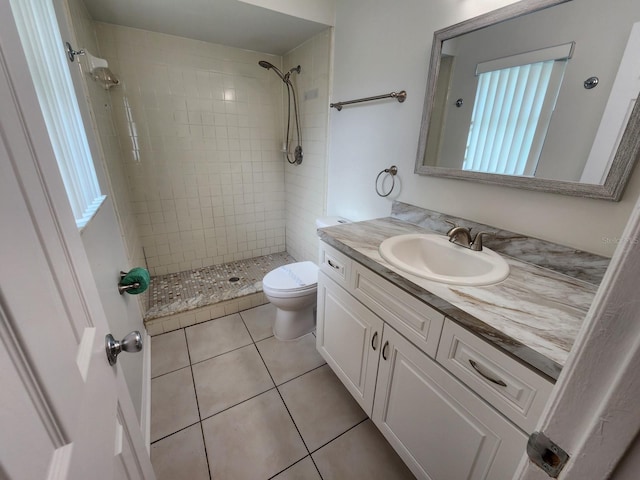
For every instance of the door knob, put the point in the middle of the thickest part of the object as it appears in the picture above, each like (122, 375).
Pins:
(131, 343)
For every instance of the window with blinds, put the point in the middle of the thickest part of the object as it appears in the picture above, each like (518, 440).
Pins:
(515, 98)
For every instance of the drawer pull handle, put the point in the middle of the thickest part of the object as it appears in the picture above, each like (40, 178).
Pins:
(493, 380)
(384, 350)
(373, 340)
(333, 265)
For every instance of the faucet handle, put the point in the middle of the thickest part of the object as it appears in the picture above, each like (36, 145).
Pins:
(453, 225)
(476, 243)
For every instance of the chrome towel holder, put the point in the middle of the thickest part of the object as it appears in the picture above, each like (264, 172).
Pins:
(400, 96)
(122, 289)
(392, 170)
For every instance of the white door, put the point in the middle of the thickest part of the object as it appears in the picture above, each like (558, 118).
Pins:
(65, 413)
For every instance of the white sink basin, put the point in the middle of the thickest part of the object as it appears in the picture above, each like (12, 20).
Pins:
(435, 258)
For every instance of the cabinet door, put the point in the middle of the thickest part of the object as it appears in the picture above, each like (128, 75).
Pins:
(349, 339)
(439, 427)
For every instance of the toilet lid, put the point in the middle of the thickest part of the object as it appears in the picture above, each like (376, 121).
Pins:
(295, 276)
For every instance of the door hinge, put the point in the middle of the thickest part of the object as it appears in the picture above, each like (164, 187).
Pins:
(546, 454)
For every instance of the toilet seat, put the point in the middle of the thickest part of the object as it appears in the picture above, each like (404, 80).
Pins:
(293, 280)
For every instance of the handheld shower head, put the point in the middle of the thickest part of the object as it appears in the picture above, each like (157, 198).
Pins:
(265, 64)
(271, 66)
(291, 94)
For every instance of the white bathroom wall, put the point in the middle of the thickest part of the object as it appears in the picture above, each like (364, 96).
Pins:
(321, 11)
(305, 184)
(199, 129)
(378, 50)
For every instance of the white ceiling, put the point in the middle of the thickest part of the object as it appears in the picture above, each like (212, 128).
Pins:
(227, 22)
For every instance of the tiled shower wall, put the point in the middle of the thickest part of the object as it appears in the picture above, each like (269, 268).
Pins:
(199, 127)
(305, 183)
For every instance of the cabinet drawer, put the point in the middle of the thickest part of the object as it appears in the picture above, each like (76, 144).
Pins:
(411, 317)
(336, 265)
(513, 389)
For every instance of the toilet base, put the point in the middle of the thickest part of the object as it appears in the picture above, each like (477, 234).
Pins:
(293, 324)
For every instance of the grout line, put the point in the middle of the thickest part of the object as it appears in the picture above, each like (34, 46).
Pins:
(301, 375)
(239, 403)
(261, 339)
(292, 465)
(186, 340)
(283, 402)
(173, 433)
(172, 371)
(204, 444)
(316, 465)
(195, 392)
(294, 422)
(220, 354)
(338, 436)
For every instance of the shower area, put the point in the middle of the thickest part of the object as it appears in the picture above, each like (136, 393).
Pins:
(214, 183)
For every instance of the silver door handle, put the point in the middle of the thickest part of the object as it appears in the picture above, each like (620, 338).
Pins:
(131, 343)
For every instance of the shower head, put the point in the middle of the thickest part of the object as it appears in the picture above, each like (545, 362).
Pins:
(271, 66)
(265, 64)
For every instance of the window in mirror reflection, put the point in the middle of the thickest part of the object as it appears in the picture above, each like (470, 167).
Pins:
(513, 105)
(511, 114)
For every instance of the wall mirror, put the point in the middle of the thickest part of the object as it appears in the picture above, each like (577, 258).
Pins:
(540, 94)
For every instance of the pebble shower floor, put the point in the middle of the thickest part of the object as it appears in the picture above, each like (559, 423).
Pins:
(179, 292)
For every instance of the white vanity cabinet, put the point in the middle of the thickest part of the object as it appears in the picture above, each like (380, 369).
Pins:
(439, 426)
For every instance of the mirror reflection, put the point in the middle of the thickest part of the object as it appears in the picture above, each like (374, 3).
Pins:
(544, 95)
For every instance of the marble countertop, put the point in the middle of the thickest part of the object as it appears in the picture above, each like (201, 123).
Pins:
(534, 315)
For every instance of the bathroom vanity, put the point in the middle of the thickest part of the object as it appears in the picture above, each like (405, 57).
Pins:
(454, 377)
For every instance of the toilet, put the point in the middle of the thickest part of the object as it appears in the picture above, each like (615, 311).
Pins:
(292, 289)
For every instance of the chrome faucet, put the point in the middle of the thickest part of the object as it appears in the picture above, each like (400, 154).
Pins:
(462, 236)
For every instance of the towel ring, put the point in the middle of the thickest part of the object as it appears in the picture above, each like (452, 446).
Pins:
(392, 170)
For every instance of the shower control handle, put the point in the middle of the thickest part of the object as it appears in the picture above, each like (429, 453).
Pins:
(131, 343)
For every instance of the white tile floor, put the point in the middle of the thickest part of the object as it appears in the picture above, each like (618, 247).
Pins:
(231, 402)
